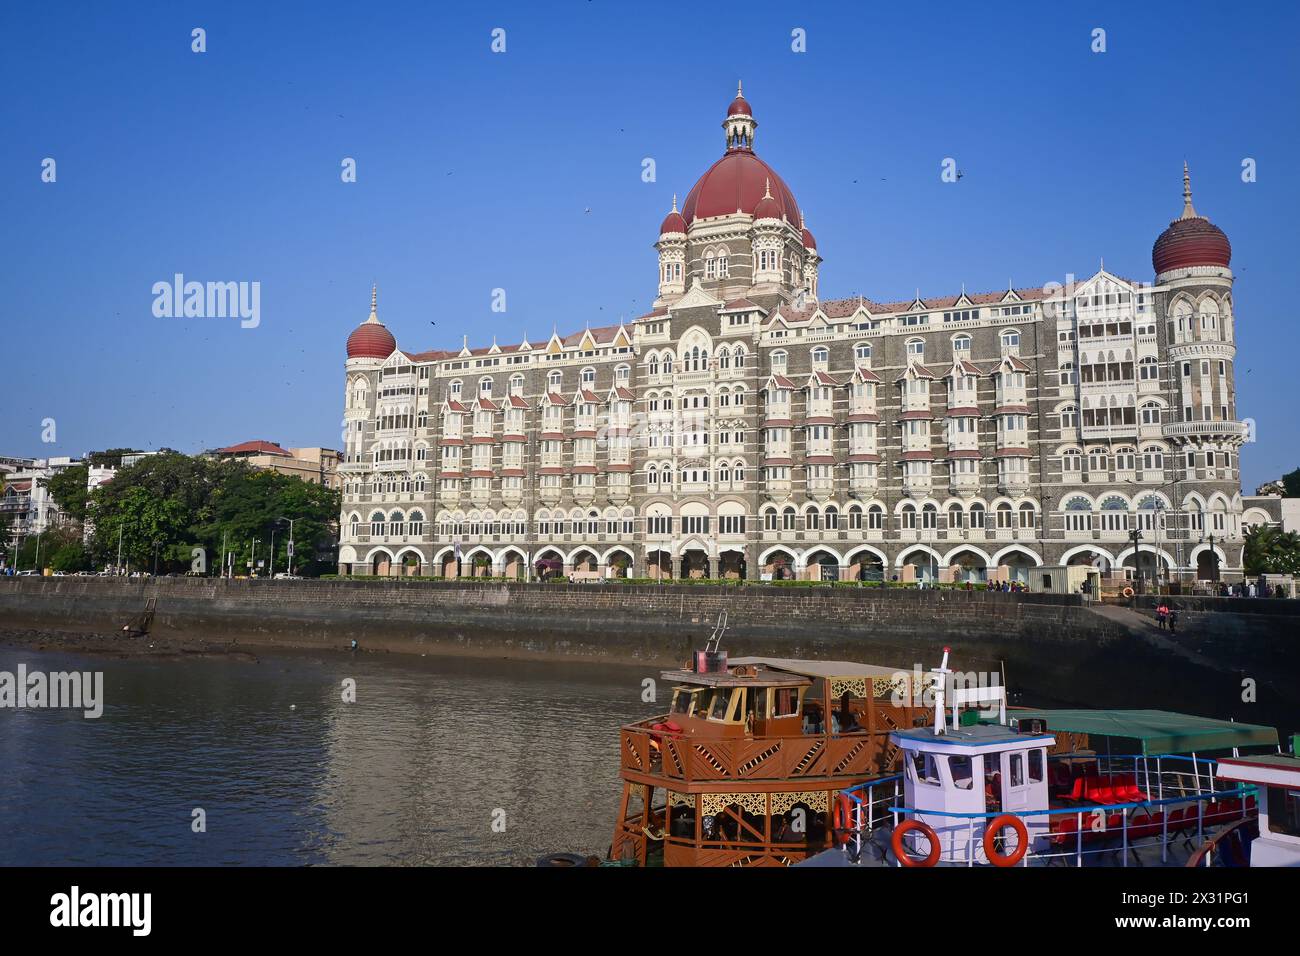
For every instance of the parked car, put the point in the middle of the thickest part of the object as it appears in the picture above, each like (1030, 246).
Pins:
(282, 576)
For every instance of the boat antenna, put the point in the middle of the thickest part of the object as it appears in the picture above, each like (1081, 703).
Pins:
(940, 685)
(715, 638)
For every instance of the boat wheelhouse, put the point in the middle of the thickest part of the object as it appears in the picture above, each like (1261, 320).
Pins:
(745, 767)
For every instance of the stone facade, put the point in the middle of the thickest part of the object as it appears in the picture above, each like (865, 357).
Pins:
(746, 428)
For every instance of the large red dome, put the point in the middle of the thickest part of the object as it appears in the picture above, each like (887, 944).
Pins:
(736, 183)
(1191, 240)
(371, 340)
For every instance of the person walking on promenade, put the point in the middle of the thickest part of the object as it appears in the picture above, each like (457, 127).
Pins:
(1173, 621)
(1162, 615)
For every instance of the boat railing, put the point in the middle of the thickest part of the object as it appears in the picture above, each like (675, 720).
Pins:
(1085, 829)
(693, 759)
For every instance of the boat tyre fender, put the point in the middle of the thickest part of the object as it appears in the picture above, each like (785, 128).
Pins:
(995, 827)
(562, 859)
(902, 830)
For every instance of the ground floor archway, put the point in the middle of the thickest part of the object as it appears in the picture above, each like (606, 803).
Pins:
(732, 565)
(822, 565)
(777, 564)
(659, 564)
(695, 564)
(924, 563)
(968, 567)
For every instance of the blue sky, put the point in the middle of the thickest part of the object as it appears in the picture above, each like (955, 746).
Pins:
(522, 171)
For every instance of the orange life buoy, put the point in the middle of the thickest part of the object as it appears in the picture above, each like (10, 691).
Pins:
(902, 830)
(842, 819)
(1128, 592)
(996, 825)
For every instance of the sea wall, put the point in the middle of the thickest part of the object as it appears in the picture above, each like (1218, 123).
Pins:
(1052, 647)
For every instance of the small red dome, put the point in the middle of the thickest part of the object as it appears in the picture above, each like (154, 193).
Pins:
(739, 107)
(808, 241)
(371, 340)
(673, 222)
(767, 208)
(1194, 241)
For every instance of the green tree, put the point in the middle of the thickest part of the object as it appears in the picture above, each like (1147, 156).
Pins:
(68, 489)
(1272, 551)
(1291, 484)
(182, 502)
(70, 558)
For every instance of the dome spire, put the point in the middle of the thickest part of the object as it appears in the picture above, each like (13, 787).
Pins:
(740, 123)
(674, 202)
(1188, 211)
(767, 188)
(374, 304)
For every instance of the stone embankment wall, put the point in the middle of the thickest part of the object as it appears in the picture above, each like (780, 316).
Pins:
(1053, 648)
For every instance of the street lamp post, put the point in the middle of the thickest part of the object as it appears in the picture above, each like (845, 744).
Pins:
(155, 558)
(291, 521)
(1136, 535)
(271, 573)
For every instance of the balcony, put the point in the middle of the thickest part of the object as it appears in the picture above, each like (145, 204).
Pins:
(1199, 430)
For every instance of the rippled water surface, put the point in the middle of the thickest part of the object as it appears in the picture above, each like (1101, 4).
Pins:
(290, 774)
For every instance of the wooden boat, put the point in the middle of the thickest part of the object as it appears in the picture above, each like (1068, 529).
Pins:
(746, 767)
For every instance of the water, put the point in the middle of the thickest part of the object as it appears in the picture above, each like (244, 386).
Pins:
(288, 773)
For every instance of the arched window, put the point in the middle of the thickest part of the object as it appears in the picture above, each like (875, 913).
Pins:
(875, 518)
(977, 516)
(416, 523)
(1150, 413)
(377, 523)
(832, 518)
(1004, 516)
(916, 349)
(929, 517)
(908, 516)
(555, 380)
(1011, 340)
(788, 519)
(955, 516)
(862, 352)
(1070, 416)
(779, 358)
(820, 356)
(588, 377)
(1027, 515)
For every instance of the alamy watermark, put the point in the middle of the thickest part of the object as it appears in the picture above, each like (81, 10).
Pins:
(209, 300)
(73, 690)
(917, 689)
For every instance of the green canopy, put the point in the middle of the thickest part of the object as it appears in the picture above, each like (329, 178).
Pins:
(1156, 731)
